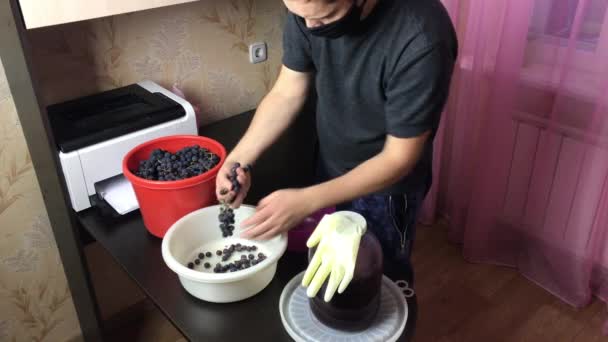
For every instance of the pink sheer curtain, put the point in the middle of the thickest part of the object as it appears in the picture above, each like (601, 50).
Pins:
(521, 168)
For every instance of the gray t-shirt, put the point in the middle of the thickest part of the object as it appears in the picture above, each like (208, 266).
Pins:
(391, 76)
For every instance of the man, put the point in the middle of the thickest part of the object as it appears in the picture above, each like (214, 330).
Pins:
(382, 71)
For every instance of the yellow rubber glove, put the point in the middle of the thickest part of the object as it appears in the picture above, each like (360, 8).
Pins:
(338, 236)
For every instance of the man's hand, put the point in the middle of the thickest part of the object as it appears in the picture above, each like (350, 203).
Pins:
(277, 213)
(224, 188)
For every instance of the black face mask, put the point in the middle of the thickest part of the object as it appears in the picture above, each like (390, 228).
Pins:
(342, 26)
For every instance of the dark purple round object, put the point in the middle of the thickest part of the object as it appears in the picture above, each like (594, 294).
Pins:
(356, 308)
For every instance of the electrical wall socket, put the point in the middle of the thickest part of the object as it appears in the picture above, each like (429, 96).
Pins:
(258, 52)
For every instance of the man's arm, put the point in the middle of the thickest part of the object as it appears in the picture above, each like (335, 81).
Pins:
(275, 113)
(282, 209)
(398, 157)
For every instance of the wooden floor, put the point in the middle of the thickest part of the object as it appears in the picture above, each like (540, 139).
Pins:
(458, 301)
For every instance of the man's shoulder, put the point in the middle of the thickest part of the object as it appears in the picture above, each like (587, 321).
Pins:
(424, 20)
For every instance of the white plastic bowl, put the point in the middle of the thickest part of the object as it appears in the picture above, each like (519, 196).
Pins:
(199, 232)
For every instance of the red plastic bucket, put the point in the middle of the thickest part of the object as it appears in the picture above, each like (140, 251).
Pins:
(161, 203)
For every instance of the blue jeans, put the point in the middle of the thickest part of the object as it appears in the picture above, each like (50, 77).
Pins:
(392, 219)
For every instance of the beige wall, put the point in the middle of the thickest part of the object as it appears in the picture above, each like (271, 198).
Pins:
(200, 46)
(35, 303)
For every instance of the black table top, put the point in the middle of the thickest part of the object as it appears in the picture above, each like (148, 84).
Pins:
(139, 253)
(254, 319)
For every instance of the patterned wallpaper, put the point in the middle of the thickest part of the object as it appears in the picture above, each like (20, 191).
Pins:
(200, 47)
(35, 303)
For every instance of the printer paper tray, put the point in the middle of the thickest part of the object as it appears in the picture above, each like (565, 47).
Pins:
(118, 193)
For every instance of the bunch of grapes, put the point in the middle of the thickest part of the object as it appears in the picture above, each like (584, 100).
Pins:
(226, 218)
(226, 215)
(188, 162)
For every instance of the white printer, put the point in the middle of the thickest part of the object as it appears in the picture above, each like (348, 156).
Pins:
(95, 132)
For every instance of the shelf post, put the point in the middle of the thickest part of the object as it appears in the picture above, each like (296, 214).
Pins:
(16, 58)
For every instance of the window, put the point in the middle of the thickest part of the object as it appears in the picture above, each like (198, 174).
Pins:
(551, 29)
(553, 21)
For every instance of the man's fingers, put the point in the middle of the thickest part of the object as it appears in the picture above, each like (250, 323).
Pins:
(242, 179)
(223, 185)
(228, 198)
(238, 200)
(255, 219)
(220, 192)
(239, 197)
(268, 235)
(254, 232)
(240, 172)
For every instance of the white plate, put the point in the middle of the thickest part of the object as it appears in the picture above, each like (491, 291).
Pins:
(303, 326)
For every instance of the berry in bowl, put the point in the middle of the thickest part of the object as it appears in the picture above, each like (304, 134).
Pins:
(216, 268)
